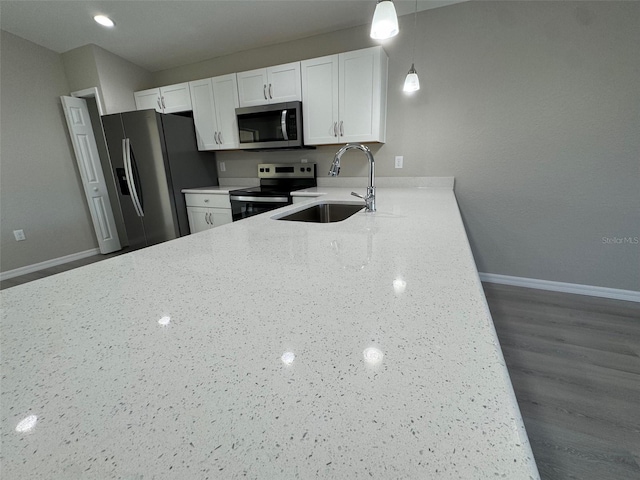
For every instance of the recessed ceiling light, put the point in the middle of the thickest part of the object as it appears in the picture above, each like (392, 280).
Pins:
(104, 20)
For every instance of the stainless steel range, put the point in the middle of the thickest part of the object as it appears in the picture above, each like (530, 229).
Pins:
(277, 181)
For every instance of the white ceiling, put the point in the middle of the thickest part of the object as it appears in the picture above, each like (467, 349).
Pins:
(158, 35)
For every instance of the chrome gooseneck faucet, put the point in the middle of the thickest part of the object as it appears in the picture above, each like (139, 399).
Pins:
(334, 171)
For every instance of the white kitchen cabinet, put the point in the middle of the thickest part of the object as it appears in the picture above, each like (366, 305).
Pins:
(168, 99)
(207, 210)
(344, 97)
(214, 102)
(320, 100)
(263, 86)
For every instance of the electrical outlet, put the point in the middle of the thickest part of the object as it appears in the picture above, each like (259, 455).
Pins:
(223, 167)
(399, 161)
(19, 234)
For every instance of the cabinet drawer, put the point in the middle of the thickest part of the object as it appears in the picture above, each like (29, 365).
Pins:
(207, 200)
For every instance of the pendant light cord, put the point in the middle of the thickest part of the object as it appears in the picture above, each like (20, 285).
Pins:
(415, 33)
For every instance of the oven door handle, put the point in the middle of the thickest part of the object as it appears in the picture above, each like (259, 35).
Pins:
(283, 123)
(242, 198)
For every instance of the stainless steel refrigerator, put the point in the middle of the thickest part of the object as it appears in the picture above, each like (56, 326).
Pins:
(153, 157)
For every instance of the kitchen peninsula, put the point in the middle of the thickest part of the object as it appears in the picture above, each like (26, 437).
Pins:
(267, 349)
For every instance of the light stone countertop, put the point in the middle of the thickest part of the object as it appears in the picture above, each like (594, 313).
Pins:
(267, 349)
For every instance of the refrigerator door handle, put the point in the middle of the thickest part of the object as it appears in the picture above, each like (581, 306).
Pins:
(126, 154)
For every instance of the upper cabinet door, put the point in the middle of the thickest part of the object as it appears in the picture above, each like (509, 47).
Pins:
(270, 85)
(363, 95)
(344, 97)
(147, 99)
(214, 103)
(175, 98)
(204, 114)
(169, 99)
(284, 83)
(225, 93)
(252, 88)
(320, 100)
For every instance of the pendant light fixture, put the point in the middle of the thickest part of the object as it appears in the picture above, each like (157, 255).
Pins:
(385, 21)
(412, 83)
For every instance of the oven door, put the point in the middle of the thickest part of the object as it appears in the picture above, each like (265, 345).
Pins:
(244, 206)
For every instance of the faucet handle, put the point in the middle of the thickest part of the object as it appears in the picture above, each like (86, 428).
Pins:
(358, 195)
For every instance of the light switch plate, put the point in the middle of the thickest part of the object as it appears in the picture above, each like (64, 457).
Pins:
(223, 167)
(19, 234)
(399, 161)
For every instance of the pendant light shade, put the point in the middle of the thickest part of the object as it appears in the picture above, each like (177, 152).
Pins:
(385, 21)
(412, 82)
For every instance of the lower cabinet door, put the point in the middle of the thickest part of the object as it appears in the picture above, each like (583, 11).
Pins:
(220, 216)
(203, 218)
(199, 219)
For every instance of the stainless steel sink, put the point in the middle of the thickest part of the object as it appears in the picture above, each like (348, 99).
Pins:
(324, 213)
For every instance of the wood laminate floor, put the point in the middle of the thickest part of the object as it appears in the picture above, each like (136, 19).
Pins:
(29, 277)
(574, 362)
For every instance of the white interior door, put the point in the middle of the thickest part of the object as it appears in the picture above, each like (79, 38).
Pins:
(95, 188)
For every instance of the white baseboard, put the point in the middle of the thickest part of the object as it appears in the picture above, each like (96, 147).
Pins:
(590, 290)
(48, 263)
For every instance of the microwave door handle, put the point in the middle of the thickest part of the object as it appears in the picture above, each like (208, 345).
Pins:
(283, 124)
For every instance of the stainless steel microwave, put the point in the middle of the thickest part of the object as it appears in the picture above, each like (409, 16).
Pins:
(278, 125)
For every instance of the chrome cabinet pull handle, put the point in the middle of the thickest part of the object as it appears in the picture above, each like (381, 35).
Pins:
(163, 105)
(159, 104)
(210, 219)
(264, 91)
(341, 128)
(215, 137)
(335, 129)
(270, 91)
(220, 137)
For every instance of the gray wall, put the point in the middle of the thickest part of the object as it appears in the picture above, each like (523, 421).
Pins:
(40, 187)
(81, 69)
(532, 106)
(116, 78)
(119, 78)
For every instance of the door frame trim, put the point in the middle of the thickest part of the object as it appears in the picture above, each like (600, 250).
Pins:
(92, 92)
